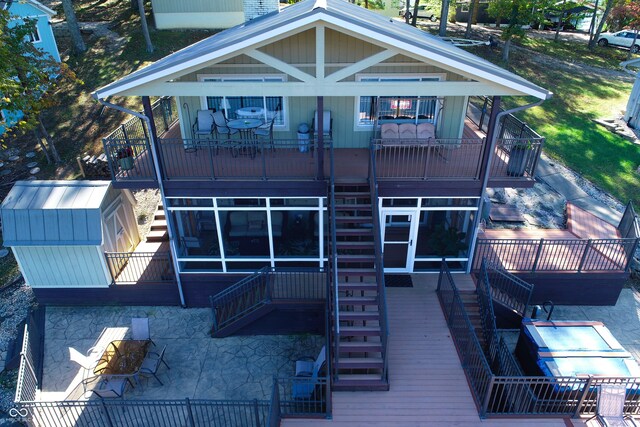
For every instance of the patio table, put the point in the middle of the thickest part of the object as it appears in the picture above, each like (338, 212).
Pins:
(122, 357)
(245, 126)
(250, 112)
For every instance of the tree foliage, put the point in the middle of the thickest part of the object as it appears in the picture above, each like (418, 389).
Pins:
(28, 77)
(514, 14)
(625, 14)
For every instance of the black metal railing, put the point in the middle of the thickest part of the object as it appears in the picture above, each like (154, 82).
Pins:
(140, 267)
(507, 289)
(129, 159)
(114, 413)
(479, 111)
(333, 267)
(27, 385)
(165, 114)
(629, 226)
(303, 396)
(472, 356)
(379, 266)
(516, 157)
(487, 316)
(265, 286)
(558, 255)
(428, 159)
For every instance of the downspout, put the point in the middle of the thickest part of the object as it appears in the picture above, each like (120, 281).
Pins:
(156, 167)
(485, 180)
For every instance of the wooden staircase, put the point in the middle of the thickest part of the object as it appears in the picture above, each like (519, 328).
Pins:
(158, 232)
(359, 364)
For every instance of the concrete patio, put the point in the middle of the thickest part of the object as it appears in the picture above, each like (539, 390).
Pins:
(201, 367)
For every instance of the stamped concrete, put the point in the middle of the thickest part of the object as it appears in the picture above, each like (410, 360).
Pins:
(201, 367)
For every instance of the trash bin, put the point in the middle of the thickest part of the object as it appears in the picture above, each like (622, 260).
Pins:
(303, 137)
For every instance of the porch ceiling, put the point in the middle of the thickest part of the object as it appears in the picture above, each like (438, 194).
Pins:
(393, 36)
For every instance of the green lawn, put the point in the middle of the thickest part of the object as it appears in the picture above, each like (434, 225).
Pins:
(565, 120)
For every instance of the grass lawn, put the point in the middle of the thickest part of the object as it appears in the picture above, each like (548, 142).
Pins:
(572, 137)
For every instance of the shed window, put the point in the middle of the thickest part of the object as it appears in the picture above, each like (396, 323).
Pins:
(267, 107)
(398, 109)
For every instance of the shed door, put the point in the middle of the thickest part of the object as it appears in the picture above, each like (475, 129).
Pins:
(118, 232)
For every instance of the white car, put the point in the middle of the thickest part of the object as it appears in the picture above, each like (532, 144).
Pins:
(423, 12)
(621, 38)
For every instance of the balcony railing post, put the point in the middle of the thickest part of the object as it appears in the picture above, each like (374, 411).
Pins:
(264, 160)
(583, 396)
(584, 256)
(538, 252)
(189, 412)
(256, 412)
(106, 412)
(487, 397)
(632, 252)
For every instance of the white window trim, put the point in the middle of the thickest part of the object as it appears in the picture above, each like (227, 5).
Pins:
(230, 77)
(35, 35)
(272, 259)
(360, 76)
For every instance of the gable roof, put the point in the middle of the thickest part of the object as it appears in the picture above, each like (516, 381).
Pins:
(7, 4)
(53, 213)
(339, 13)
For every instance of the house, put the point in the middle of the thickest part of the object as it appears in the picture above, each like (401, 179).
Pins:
(333, 144)
(208, 14)
(42, 38)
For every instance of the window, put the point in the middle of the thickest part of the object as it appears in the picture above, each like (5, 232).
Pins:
(464, 8)
(34, 37)
(266, 107)
(397, 108)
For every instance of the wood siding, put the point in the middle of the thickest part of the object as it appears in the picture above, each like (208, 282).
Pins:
(63, 266)
(172, 6)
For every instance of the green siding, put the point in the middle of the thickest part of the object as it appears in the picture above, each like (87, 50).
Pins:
(62, 266)
(453, 114)
(172, 6)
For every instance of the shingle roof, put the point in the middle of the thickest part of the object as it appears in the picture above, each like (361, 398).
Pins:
(338, 12)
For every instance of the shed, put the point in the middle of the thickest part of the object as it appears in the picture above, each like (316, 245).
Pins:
(60, 230)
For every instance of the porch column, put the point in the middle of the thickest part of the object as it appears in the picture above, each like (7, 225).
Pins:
(148, 111)
(320, 132)
(485, 171)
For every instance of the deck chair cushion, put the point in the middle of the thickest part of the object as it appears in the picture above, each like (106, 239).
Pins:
(426, 131)
(205, 122)
(389, 131)
(407, 131)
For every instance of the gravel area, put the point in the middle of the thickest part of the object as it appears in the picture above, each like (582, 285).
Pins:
(147, 203)
(540, 206)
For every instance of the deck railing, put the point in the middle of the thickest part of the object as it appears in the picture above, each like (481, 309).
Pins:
(507, 289)
(238, 159)
(516, 157)
(379, 266)
(487, 316)
(27, 385)
(140, 267)
(295, 402)
(165, 114)
(129, 159)
(428, 159)
(629, 226)
(502, 390)
(559, 255)
(333, 267)
(265, 286)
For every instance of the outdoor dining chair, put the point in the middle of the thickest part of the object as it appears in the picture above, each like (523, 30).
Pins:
(107, 386)
(264, 132)
(306, 379)
(152, 362)
(610, 406)
(203, 126)
(140, 329)
(306, 367)
(221, 125)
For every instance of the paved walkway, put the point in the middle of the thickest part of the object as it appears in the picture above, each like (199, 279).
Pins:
(552, 175)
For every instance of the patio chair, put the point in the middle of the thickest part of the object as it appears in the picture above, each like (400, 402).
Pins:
(327, 124)
(426, 131)
(221, 127)
(264, 132)
(389, 131)
(151, 363)
(308, 366)
(140, 329)
(107, 386)
(407, 131)
(610, 406)
(203, 126)
(88, 361)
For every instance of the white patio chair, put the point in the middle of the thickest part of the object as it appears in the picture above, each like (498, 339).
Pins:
(87, 362)
(389, 131)
(203, 126)
(610, 406)
(407, 131)
(140, 329)
(107, 386)
(426, 131)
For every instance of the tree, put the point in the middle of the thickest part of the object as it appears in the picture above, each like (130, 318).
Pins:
(444, 17)
(28, 79)
(605, 15)
(473, 15)
(145, 28)
(72, 24)
(515, 14)
(414, 18)
(626, 15)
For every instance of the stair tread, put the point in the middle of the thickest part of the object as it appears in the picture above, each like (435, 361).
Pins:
(357, 300)
(357, 360)
(360, 377)
(365, 315)
(353, 219)
(359, 345)
(367, 243)
(358, 286)
(359, 328)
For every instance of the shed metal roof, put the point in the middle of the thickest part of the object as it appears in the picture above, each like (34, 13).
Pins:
(53, 213)
(338, 12)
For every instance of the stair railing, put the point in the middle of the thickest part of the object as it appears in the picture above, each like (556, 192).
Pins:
(333, 262)
(379, 266)
(508, 289)
(244, 297)
(487, 315)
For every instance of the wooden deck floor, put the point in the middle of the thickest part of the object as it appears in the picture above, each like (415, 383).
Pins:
(588, 226)
(428, 385)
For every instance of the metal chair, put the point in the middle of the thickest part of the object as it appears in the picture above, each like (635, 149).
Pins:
(140, 329)
(307, 372)
(107, 386)
(151, 363)
(610, 406)
(221, 127)
(264, 132)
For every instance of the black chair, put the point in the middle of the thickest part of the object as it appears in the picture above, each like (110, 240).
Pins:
(151, 363)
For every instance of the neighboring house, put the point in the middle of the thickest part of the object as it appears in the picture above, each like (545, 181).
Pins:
(42, 38)
(208, 14)
(390, 179)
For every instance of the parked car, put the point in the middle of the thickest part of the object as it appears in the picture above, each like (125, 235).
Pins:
(621, 38)
(424, 11)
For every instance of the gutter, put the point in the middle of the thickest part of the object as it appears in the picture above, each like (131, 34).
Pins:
(485, 181)
(156, 167)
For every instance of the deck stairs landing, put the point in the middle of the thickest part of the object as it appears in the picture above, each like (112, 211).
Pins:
(359, 363)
